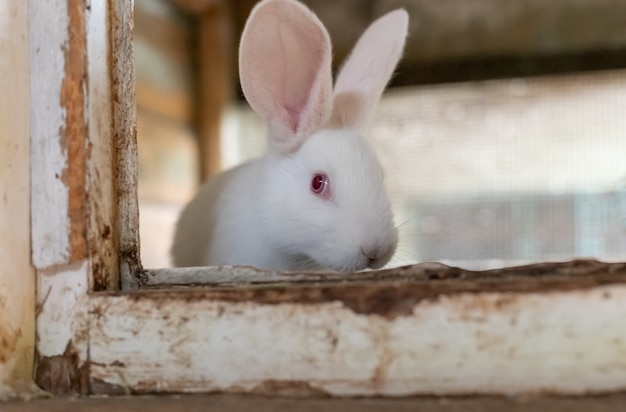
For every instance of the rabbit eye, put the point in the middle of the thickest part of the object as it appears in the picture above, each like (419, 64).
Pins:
(319, 184)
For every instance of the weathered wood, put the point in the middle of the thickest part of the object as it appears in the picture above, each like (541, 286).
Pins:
(125, 138)
(86, 96)
(443, 331)
(67, 160)
(102, 235)
(534, 277)
(60, 92)
(63, 329)
(58, 151)
(17, 278)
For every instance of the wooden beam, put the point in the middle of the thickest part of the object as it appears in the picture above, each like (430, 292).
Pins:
(125, 138)
(425, 329)
(457, 40)
(58, 133)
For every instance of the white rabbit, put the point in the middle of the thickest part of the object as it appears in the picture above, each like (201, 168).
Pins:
(316, 200)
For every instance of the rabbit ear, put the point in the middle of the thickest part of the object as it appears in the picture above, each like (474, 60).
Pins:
(285, 70)
(367, 71)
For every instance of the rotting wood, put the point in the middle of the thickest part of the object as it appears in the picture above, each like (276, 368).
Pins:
(529, 332)
(65, 374)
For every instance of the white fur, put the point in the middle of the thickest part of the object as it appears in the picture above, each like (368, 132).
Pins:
(263, 212)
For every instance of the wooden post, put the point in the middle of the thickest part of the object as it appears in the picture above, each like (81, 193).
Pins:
(83, 174)
(215, 80)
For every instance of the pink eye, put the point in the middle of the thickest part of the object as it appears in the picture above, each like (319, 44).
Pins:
(319, 184)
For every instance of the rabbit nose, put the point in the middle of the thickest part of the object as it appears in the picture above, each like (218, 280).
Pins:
(377, 256)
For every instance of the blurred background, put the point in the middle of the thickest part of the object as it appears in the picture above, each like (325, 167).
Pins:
(503, 133)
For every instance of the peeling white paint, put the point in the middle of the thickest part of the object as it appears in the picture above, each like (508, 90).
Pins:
(489, 343)
(50, 225)
(62, 304)
(548, 342)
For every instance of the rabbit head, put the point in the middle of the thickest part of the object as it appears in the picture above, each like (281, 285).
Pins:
(323, 200)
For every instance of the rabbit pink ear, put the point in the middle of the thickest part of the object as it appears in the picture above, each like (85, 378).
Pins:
(285, 70)
(367, 71)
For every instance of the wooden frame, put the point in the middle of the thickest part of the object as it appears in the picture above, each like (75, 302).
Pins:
(424, 329)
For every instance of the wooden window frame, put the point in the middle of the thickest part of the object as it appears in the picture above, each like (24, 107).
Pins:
(423, 329)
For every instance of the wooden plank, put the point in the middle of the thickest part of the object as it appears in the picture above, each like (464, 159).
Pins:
(102, 235)
(56, 134)
(66, 159)
(125, 138)
(581, 270)
(58, 180)
(525, 331)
